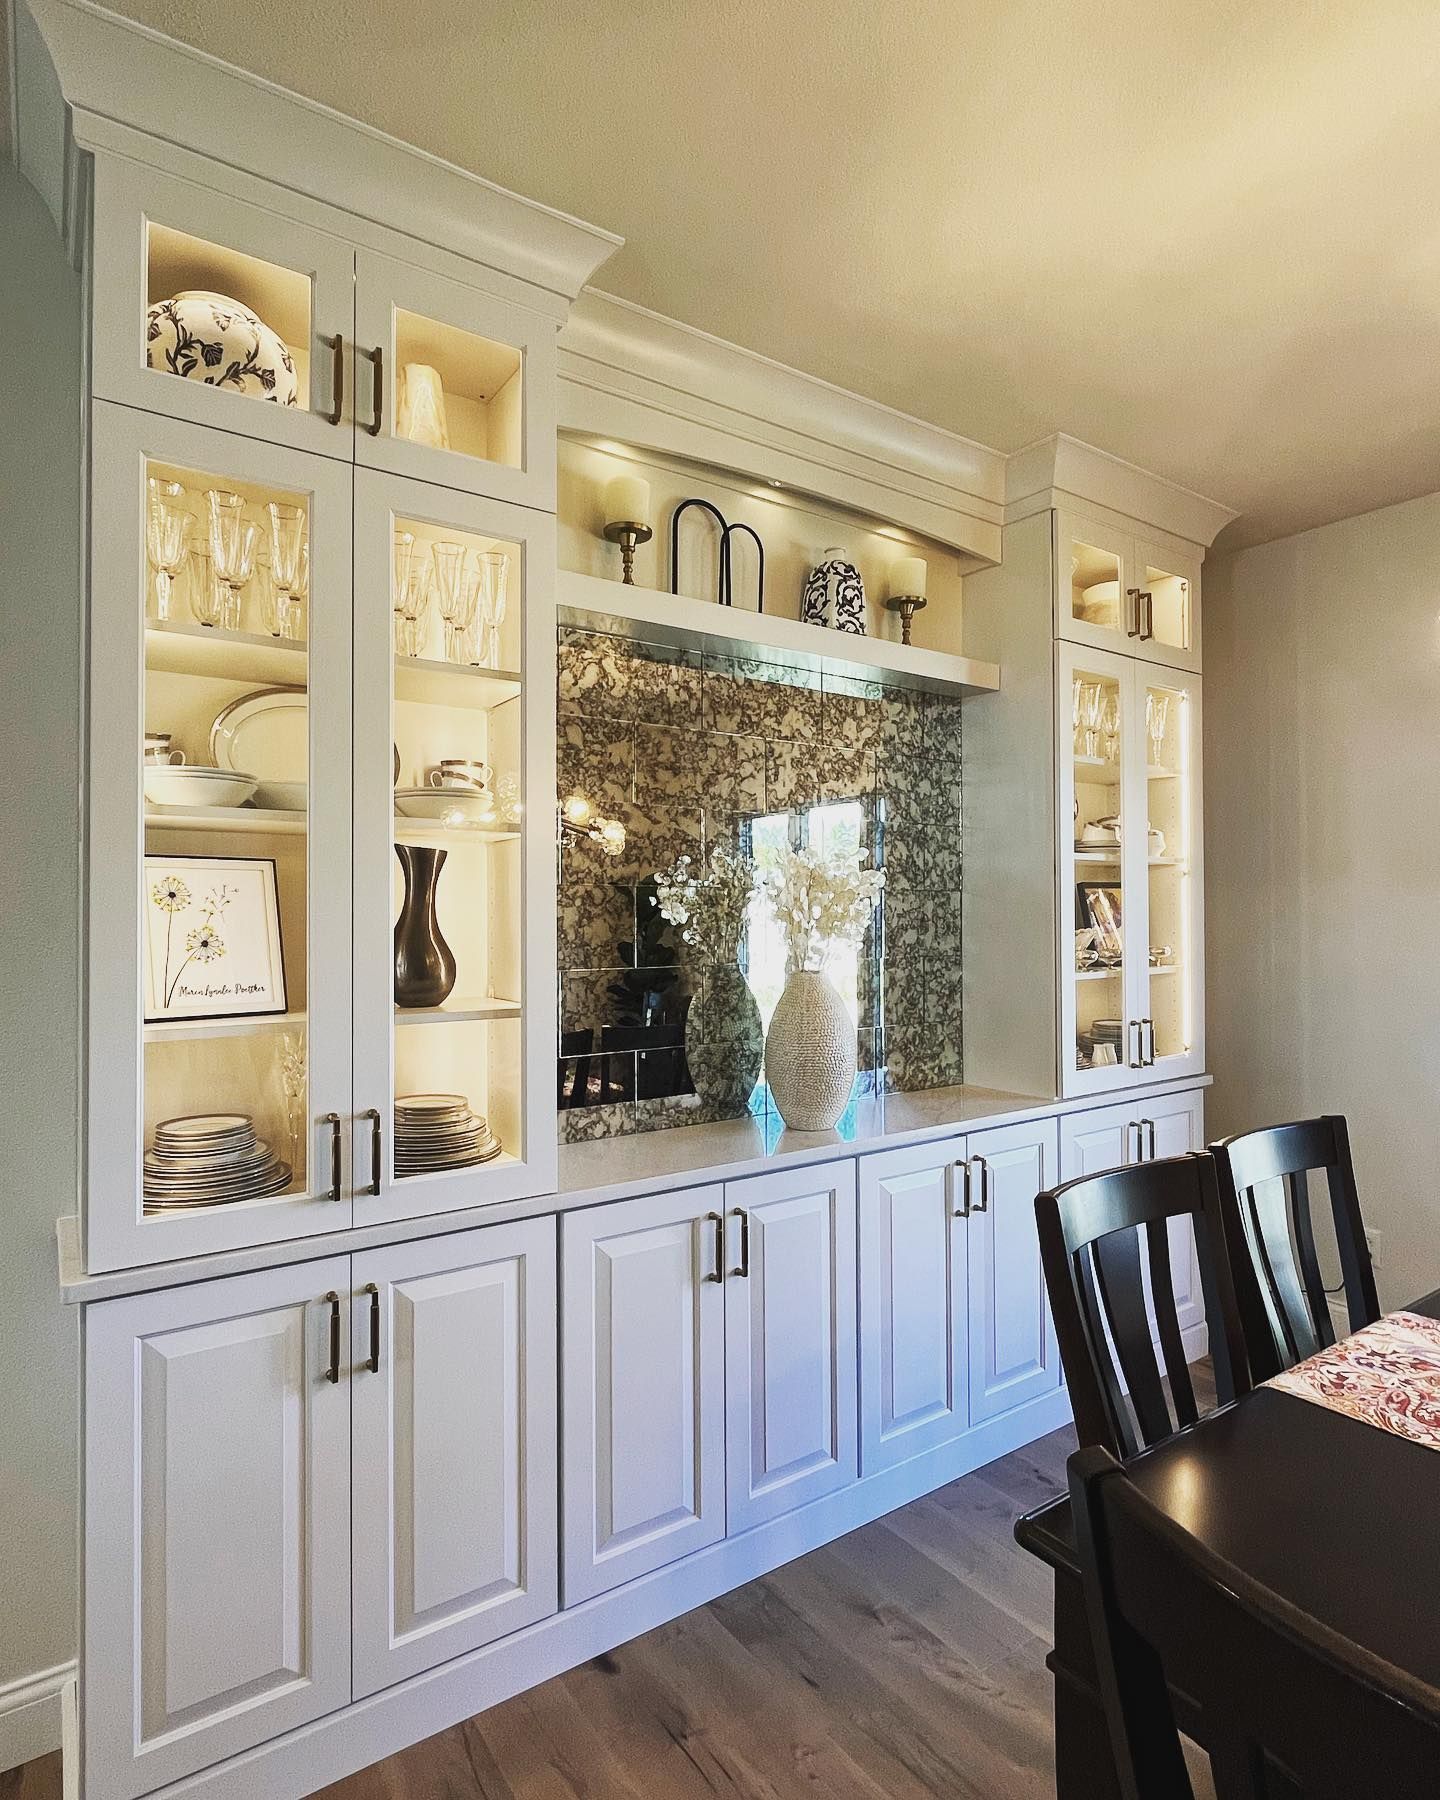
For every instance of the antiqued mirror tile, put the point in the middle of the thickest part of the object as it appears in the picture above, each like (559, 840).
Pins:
(592, 673)
(756, 698)
(595, 918)
(595, 757)
(943, 729)
(800, 775)
(704, 768)
(851, 712)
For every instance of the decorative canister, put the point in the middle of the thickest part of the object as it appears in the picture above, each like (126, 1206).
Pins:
(211, 338)
(810, 1053)
(724, 1041)
(834, 595)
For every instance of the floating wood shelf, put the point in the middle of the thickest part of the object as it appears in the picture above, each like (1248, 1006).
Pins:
(599, 604)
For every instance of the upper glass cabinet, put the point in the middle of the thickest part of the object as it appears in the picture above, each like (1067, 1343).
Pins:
(219, 820)
(220, 311)
(455, 384)
(1118, 593)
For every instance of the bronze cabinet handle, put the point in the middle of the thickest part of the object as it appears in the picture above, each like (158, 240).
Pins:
(332, 1300)
(1147, 601)
(1147, 1042)
(373, 1115)
(718, 1273)
(377, 404)
(332, 1119)
(1132, 612)
(1137, 1059)
(1150, 1131)
(983, 1203)
(337, 378)
(743, 1267)
(373, 1360)
(1138, 1154)
(962, 1211)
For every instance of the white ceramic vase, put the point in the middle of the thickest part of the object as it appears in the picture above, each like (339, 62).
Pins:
(810, 1053)
(420, 415)
(212, 338)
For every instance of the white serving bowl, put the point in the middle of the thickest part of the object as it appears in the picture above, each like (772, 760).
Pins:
(185, 787)
(449, 806)
(283, 796)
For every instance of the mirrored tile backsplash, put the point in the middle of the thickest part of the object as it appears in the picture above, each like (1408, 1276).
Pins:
(687, 751)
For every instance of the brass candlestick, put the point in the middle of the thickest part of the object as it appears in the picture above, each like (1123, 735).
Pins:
(627, 533)
(907, 605)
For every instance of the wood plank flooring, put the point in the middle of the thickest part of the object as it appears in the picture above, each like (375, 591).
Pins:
(903, 1662)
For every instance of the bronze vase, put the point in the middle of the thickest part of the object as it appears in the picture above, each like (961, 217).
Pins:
(424, 962)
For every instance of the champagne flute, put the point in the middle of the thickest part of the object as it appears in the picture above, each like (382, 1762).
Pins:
(168, 525)
(287, 540)
(449, 561)
(419, 589)
(402, 556)
(494, 567)
(294, 620)
(232, 546)
(207, 594)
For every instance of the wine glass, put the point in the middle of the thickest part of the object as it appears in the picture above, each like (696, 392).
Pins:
(1092, 713)
(168, 525)
(493, 569)
(207, 593)
(232, 547)
(287, 540)
(1110, 725)
(415, 605)
(449, 561)
(294, 612)
(402, 555)
(1157, 720)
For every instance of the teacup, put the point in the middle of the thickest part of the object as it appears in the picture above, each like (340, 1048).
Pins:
(460, 772)
(158, 752)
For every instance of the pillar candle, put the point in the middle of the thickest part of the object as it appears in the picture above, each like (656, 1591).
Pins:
(908, 576)
(627, 501)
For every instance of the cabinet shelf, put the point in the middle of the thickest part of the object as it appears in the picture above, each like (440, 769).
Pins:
(258, 819)
(1099, 974)
(457, 1008)
(180, 647)
(166, 1031)
(431, 831)
(423, 681)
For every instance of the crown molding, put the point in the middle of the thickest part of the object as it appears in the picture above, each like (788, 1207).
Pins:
(631, 375)
(116, 70)
(1069, 469)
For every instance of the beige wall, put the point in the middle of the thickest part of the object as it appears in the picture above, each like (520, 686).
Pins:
(40, 618)
(1322, 813)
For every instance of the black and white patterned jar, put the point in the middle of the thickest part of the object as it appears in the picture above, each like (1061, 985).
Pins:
(834, 595)
(210, 338)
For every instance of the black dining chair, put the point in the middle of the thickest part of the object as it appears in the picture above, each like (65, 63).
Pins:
(1264, 1179)
(1091, 1236)
(1290, 1710)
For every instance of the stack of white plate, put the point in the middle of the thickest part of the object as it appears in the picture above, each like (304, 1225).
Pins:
(439, 1131)
(210, 1159)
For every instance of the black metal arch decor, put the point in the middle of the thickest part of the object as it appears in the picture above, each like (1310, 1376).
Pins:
(724, 595)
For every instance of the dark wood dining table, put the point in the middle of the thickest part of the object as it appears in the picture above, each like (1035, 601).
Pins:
(1339, 1517)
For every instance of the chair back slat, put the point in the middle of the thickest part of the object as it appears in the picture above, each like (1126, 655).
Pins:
(1090, 1244)
(1167, 1322)
(1122, 1292)
(1289, 1709)
(1264, 1179)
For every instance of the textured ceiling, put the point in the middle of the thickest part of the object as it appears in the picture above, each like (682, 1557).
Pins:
(1204, 237)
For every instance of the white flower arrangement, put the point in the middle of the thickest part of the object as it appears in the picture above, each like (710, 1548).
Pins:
(820, 902)
(707, 901)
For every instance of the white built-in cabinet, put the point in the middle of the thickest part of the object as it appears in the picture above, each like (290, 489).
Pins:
(1129, 852)
(263, 1448)
(954, 1323)
(1124, 593)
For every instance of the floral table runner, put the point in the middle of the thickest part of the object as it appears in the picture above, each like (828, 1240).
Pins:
(1387, 1374)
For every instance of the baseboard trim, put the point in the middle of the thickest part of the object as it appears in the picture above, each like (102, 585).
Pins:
(30, 1715)
(327, 1750)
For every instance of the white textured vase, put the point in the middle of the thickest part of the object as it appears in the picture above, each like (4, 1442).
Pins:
(810, 1053)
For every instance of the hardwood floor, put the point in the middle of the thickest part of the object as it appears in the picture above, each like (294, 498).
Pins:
(903, 1662)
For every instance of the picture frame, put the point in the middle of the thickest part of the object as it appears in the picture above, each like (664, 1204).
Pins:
(1099, 907)
(213, 947)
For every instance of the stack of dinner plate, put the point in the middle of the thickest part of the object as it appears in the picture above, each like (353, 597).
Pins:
(439, 1131)
(210, 1159)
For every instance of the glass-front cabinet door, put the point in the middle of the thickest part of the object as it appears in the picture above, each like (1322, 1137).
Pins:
(1098, 897)
(1094, 601)
(454, 954)
(1168, 992)
(218, 842)
(222, 312)
(454, 384)
(1168, 590)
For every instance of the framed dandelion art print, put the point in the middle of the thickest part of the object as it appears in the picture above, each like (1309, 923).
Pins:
(212, 938)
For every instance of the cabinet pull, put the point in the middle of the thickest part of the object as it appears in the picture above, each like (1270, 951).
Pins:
(983, 1203)
(962, 1211)
(373, 1360)
(373, 1115)
(743, 1267)
(377, 402)
(1149, 1124)
(1137, 1058)
(1132, 612)
(1147, 602)
(717, 1220)
(332, 1300)
(1147, 1041)
(332, 1119)
(1138, 1153)
(337, 377)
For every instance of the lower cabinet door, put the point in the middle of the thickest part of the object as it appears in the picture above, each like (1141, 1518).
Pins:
(643, 1384)
(1013, 1354)
(914, 1387)
(454, 1437)
(217, 1523)
(1098, 1139)
(1175, 1123)
(791, 1401)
